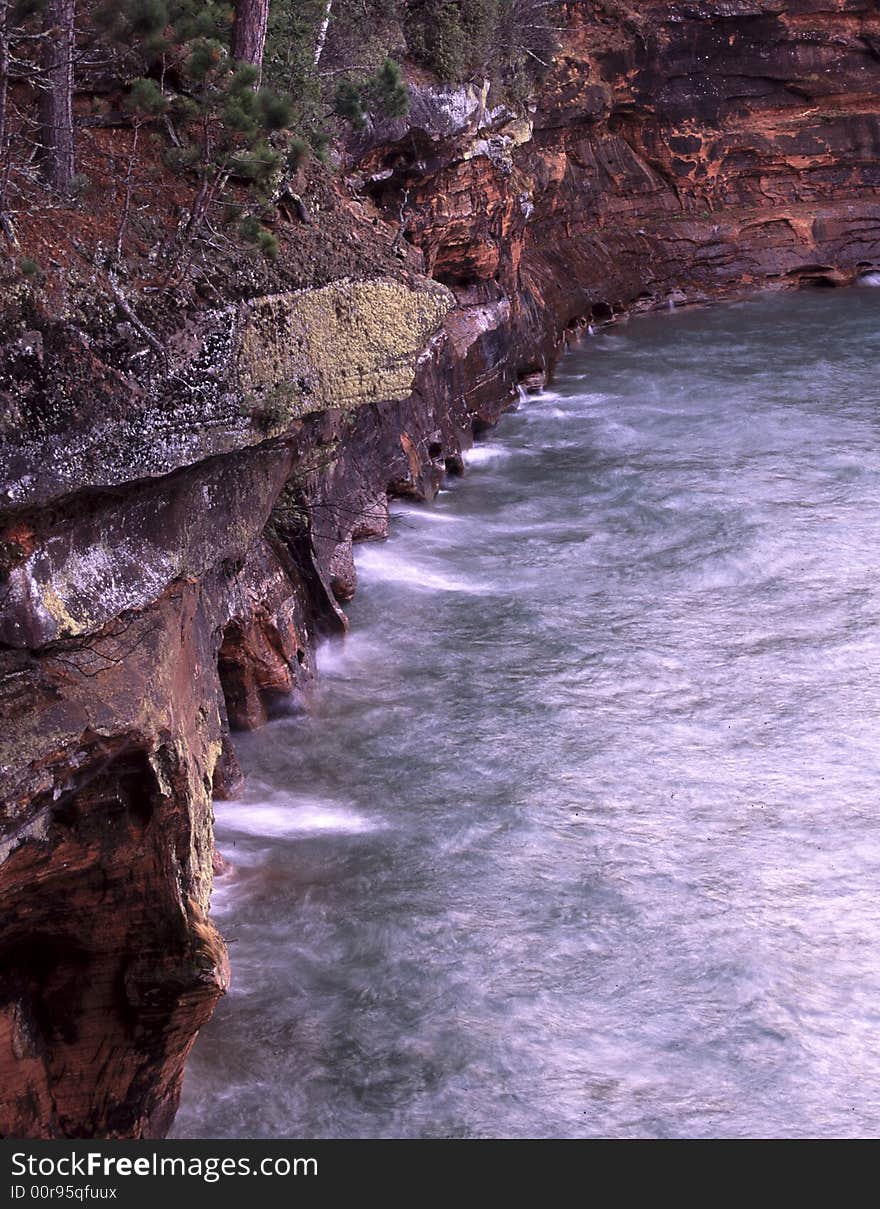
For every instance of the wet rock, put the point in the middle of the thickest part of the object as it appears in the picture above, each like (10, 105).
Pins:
(227, 781)
(176, 531)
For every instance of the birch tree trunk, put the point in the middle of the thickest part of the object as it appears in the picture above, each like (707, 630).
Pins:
(322, 33)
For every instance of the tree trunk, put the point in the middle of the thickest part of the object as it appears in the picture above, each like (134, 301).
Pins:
(249, 31)
(322, 32)
(56, 96)
(4, 81)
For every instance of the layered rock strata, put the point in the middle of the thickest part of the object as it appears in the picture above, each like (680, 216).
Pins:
(174, 539)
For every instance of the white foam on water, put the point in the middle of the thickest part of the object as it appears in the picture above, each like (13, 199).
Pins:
(382, 564)
(286, 817)
(541, 408)
(432, 515)
(339, 655)
(572, 405)
(645, 826)
(871, 278)
(482, 455)
(223, 892)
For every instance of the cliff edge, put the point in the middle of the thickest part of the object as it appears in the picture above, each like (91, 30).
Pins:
(182, 476)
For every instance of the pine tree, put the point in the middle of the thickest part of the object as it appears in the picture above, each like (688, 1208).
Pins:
(383, 93)
(249, 32)
(56, 96)
(388, 91)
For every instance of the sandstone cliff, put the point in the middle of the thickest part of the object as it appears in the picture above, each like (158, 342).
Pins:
(177, 522)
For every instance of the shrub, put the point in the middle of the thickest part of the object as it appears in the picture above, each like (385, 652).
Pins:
(253, 232)
(297, 154)
(30, 270)
(347, 103)
(383, 93)
(388, 91)
(451, 37)
(508, 41)
(145, 96)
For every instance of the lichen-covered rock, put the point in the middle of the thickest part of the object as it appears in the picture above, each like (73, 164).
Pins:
(175, 530)
(234, 376)
(349, 343)
(121, 554)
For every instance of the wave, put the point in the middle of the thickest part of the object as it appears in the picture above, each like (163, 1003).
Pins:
(381, 564)
(286, 817)
(482, 455)
(424, 513)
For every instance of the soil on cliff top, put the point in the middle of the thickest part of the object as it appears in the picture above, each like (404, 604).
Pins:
(67, 246)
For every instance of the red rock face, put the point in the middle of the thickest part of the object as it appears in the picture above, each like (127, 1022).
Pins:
(266, 650)
(677, 152)
(108, 961)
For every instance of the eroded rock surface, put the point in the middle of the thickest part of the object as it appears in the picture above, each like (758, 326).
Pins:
(176, 531)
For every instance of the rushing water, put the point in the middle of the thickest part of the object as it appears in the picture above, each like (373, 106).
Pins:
(582, 835)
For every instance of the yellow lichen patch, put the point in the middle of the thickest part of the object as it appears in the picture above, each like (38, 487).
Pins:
(520, 131)
(348, 343)
(68, 626)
